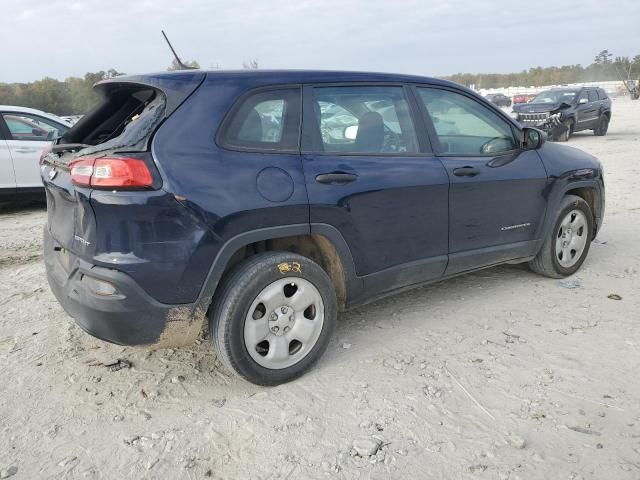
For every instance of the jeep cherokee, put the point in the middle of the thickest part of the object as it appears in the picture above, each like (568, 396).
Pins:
(562, 111)
(260, 204)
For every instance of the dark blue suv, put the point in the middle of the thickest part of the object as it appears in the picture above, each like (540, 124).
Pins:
(260, 204)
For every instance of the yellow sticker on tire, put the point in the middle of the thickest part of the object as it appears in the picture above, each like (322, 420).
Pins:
(289, 267)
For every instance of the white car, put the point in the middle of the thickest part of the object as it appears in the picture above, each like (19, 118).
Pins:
(71, 119)
(24, 133)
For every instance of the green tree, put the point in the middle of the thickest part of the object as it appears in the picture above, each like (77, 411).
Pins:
(602, 68)
(74, 95)
(176, 66)
(251, 64)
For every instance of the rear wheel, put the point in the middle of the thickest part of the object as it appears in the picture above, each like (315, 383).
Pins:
(566, 247)
(273, 317)
(603, 126)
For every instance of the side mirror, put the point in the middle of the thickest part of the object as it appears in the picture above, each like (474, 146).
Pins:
(533, 138)
(583, 100)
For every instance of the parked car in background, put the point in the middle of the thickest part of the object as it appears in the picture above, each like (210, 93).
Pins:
(499, 99)
(24, 133)
(562, 111)
(266, 207)
(522, 98)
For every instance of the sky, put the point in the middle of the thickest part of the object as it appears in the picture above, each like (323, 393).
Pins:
(57, 38)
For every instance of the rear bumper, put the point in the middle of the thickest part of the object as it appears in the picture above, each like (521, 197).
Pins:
(128, 317)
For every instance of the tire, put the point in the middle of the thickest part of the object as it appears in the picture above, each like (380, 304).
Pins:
(554, 263)
(603, 126)
(263, 289)
(566, 135)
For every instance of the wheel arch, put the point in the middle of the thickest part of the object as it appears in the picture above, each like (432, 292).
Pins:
(590, 195)
(321, 243)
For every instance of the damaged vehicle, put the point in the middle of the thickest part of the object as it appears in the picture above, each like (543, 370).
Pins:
(560, 112)
(257, 205)
(499, 99)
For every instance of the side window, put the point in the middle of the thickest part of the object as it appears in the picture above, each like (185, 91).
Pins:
(602, 94)
(32, 127)
(593, 96)
(364, 119)
(464, 126)
(583, 95)
(265, 121)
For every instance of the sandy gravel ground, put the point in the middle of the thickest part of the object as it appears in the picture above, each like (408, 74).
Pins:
(500, 374)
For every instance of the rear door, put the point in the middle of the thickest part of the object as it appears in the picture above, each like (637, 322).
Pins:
(496, 199)
(371, 175)
(28, 136)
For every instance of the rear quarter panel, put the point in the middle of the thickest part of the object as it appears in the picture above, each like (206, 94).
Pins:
(220, 187)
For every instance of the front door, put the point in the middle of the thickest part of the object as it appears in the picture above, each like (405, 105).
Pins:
(28, 136)
(496, 200)
(587, 110)
(368, 175)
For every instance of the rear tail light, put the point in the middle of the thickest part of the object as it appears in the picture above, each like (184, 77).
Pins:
(111, 172)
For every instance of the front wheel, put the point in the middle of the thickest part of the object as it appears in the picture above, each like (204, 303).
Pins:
(566, 247)
(273, 317)
(567, 131)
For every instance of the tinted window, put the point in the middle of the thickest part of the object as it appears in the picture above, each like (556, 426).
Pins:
(464, 126)
(593, 97)
(32, 127)
(584, 95)
(365, 119)
(266, 120)
(602, 94)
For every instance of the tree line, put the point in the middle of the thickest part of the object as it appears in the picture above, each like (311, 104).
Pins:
(75, 95)
(604, 68)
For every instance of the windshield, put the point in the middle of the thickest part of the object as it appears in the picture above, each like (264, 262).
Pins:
(555, 96)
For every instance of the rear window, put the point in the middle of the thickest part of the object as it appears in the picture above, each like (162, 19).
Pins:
(602, 94)
(125, 118)
(264, 121)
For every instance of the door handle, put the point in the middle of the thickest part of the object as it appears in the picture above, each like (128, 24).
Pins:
(466, 172)
(336, 178)
(26, 150)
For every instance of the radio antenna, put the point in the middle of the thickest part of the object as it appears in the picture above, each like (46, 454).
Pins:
(180, 64)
